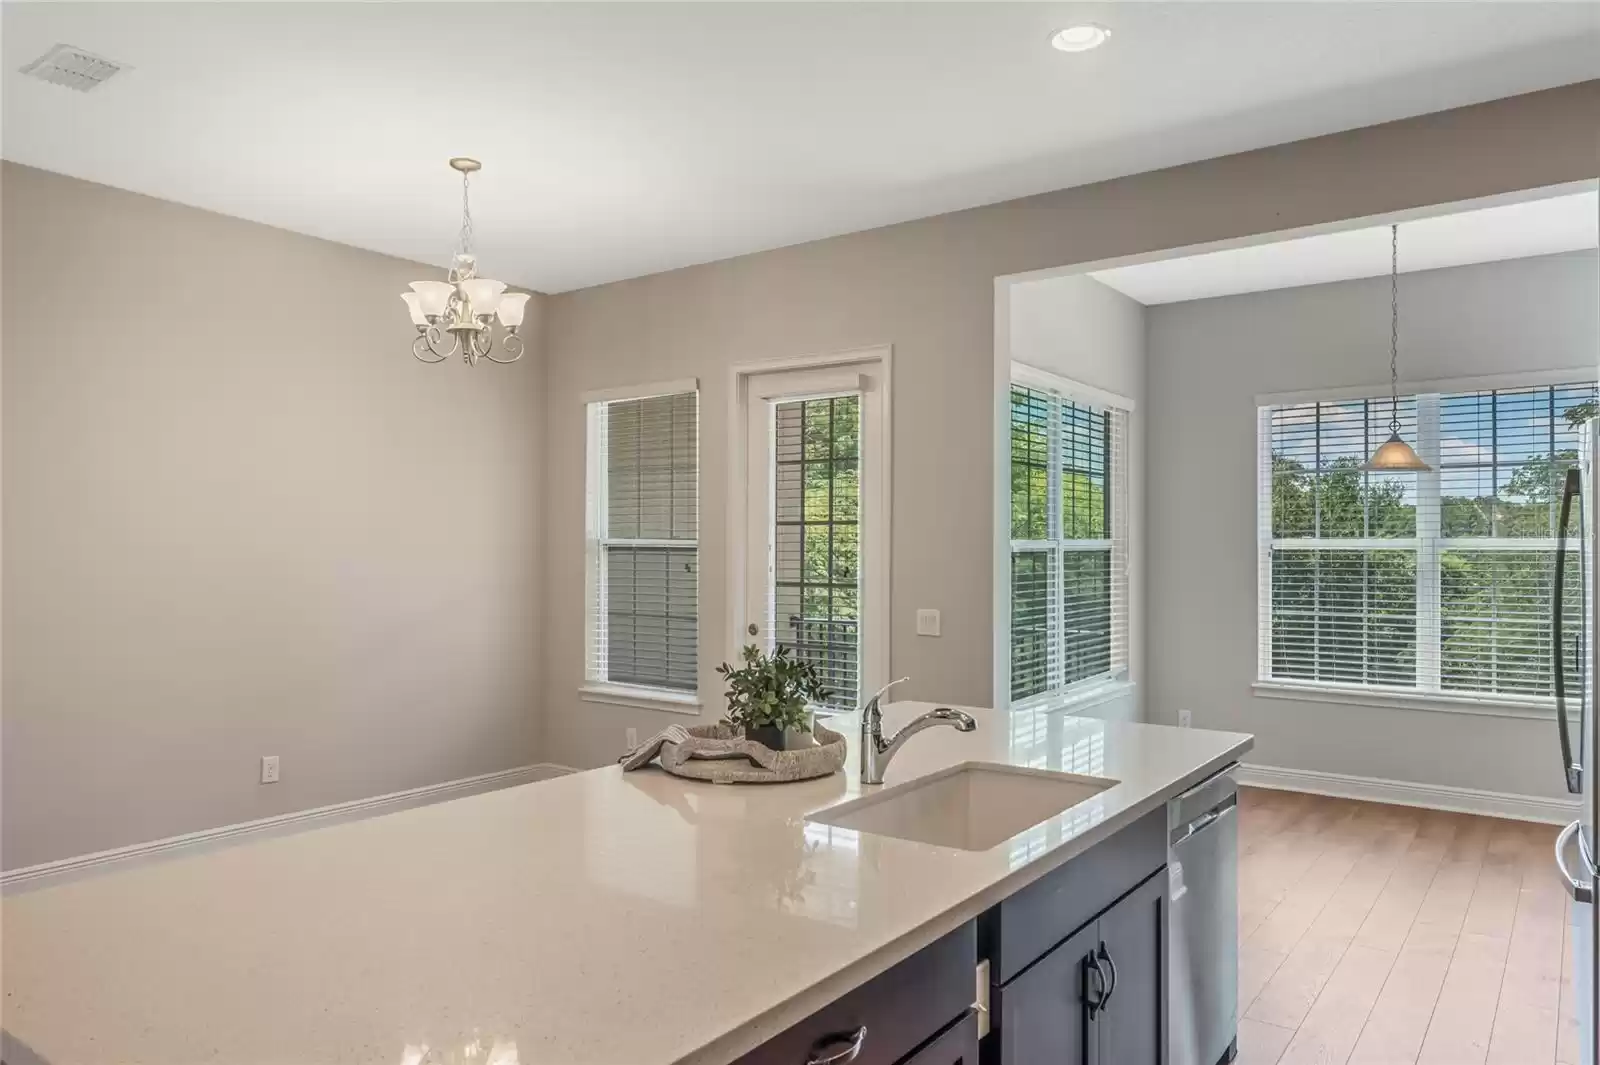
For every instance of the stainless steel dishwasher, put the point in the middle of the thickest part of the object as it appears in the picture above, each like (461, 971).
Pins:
(1203, 946)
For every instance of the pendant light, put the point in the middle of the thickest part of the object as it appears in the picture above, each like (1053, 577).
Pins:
(1394, 454)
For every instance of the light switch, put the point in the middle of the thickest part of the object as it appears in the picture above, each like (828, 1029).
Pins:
(927, 623)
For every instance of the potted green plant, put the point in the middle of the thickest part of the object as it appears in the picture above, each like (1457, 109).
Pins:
(770, 696)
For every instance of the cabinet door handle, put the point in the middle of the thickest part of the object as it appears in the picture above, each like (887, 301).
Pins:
(838, 1049)
(1091, 964)
(1111, 988)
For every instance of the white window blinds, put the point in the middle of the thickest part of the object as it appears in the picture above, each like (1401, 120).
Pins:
(644, 505)
(1069, 543)
(1435, 582)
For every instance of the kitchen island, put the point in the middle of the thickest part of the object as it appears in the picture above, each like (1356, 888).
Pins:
(600, 918)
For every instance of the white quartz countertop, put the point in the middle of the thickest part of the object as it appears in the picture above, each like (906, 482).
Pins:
(597, 919)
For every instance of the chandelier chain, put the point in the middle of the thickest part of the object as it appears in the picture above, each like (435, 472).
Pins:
(466, 216)
(1394, 328)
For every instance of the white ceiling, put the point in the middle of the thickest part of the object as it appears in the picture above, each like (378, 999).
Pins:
(1510, 231)
(622, 139)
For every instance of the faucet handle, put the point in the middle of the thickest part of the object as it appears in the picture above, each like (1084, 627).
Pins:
(873, 701)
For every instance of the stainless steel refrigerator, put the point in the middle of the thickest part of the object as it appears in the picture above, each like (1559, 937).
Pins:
(1576, 672)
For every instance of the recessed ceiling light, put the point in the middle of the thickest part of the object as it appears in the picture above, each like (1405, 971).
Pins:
(1080, 38)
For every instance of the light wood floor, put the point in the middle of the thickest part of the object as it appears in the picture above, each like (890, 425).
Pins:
(1384, 935)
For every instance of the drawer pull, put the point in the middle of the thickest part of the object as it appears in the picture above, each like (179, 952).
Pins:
(838, 1049)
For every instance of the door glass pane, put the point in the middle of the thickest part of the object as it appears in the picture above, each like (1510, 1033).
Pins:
(816, 541)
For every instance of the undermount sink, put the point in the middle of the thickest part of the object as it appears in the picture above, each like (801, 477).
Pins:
(972, 806)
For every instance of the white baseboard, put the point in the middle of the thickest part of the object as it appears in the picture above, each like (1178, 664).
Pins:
(1404, 793)
(281, 824)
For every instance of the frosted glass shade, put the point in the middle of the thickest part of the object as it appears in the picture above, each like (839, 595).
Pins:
(1395, 454)
(414, 305)
(512, 305)
(432, 295)
(483, 294)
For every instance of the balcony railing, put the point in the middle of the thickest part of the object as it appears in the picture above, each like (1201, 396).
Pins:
(833, 646)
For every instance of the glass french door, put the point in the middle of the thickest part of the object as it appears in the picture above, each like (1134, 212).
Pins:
(814, 496)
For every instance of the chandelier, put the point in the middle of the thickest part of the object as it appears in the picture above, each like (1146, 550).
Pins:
(458, 315)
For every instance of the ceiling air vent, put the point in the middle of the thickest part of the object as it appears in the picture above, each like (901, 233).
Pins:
(73, 68)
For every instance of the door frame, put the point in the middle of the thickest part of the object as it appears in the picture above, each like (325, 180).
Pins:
(876, 513)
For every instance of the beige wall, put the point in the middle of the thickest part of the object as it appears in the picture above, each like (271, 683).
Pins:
(1209, 359)
(927, 287)
(240, 520)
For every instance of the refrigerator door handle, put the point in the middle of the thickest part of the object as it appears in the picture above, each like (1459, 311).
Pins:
(1581, 891)
(1572, 770)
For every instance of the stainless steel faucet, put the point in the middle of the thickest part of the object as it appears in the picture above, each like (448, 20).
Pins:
(876, 751)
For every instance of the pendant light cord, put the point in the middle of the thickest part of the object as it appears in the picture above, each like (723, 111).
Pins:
(1394, 329)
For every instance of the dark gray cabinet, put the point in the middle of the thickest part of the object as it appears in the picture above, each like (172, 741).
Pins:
(1023, 927)
(1043, 1015)
(1077, 976)
(958, 1046)
(1099, 997)
(1131, 1023)
(893, 1018)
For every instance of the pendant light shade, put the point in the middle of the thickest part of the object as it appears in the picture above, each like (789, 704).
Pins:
(1394, 454)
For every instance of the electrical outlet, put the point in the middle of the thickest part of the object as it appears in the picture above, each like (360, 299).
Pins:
(927, 623)
(1185, 718)
(633, 738)
(269, 769)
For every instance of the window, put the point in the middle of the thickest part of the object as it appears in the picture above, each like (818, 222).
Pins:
(1069, 603)
(1435, 582)
(643, 609)
(816, 576)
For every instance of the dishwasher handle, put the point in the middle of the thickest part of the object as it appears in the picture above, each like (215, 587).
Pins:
(1205, 820)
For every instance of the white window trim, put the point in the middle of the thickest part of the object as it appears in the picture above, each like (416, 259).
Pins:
(877, 606)
(1404, 699)
(1090, 691)
(650, 391)
(597, 689)
(1434, 699)
(1033, 377)
(1483, 383)
(640, 697)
